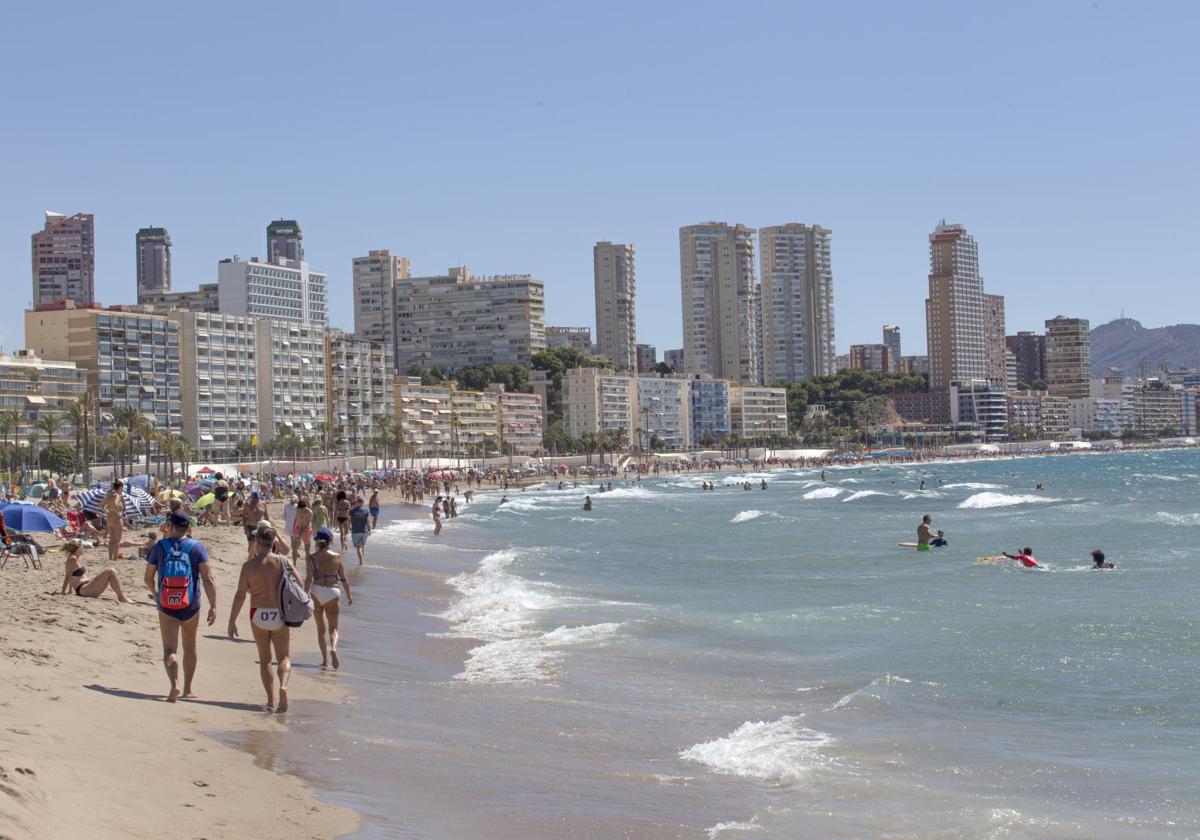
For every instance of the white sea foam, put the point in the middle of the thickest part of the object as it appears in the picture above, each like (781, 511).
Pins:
(401, 530)
(864, 494)
(781, 751)
(531, 659)
(746, 516)
(823, 493)
(495, 604)
(921, 494)
(990, 499)
(975, 485)
(1178, 518)
(722, 827)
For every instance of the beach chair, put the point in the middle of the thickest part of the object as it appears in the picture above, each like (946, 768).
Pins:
(25, 547)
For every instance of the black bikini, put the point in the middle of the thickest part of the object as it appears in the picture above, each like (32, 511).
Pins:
(79, 574)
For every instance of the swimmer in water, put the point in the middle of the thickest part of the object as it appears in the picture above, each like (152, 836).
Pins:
(923, 533)
(1025, 558)
(823, 475)
(504, 500)
(922, 484)
(587, 502)
(763, 486)
(940, 540)
(1101, 563)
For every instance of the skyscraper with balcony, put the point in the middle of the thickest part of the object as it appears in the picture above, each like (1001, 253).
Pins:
(616, 292)
(359, 389)
(891, 340)
(995, 350)
(153, 246)
(718, 286)
(1069, 357)
(284, 290)
(1029, 348)
(375, 277)
(797, 302)
(954, 310)
(284, 241)
(64, 259)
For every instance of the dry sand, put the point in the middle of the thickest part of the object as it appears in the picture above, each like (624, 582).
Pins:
(89, 748)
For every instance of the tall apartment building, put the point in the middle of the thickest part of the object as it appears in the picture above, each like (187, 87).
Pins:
(375, 277)
(1069, 357)
(64, 259)
(599, 400)
(457, 320)
(1042, 415)
(1095, 414)
(284, 290)
(577, 338)
(218, 367)
(616, 293)
(647, 357)
(131, 358)
(153, 248)
(359, 388)
(663, 412)
(32, 386)
(207, 298)
(994, 346)
(1029, 348)
(674, 360)
(717, 278)
(757, 412)
(284, 241)
(797, 302)
(891, 340)
(709, 412)
(954, 310)
(1157, 408)
(291, 376)
(872, 357)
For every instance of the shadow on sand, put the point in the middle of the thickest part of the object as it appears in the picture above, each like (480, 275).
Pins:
(162, 698)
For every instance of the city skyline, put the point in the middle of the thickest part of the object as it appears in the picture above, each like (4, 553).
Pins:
(1035, 141)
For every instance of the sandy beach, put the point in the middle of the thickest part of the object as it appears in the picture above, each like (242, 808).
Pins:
(89, 748)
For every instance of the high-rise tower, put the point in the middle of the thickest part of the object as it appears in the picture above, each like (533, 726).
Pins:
(153, 262)
(716, 262)
(616, 293)
(954, 311)
(64, 259)
(797, 302)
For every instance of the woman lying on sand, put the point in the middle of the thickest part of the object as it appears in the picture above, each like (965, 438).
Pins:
(75, 580)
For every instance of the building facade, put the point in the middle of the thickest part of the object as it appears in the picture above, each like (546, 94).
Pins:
(982, 406)
(375, 277)
(757, 412)
(218, 367)
(616, 294)
(891, 340)
(1069, 357)
(797, 336)
(674, 360)
(663, 411)
(359, 389)
(954, 310)
(599, 400)
(577, 338)
(131, 358)
(709, 413)
(291, 376)
(521, 421)
(285, 241)
(719, 294)
(457, 320)
(207, 298)
(994, 347)
(1157, 408)
(1038, 414)
(872, 357)
(64, 259)
(647, 358)
(33, 387)
(1095, 414)
(1030, 351)
(153, 251)
(284, 290)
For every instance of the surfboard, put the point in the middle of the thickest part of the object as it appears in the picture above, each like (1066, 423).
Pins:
(994, 559)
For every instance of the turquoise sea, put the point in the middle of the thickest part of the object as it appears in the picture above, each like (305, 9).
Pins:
(768, 664)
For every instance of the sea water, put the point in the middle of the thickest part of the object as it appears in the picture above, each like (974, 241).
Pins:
(678, 663)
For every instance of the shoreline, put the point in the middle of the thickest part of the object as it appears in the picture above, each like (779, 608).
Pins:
(87, 726)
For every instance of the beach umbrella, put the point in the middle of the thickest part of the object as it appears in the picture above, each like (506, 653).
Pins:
(30, 518)
(35, 491)
(205, 471)
(195, 490)
(324, 477)
(204, 501)
(137, 500)
(165, 496)
(145, 482)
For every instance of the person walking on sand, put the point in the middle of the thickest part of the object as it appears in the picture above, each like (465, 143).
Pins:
(260, 578)
(373, 507)
(437, 514)
(325, 580)
(360, 527)
(302, 530)
(253, 512)
(175, 568)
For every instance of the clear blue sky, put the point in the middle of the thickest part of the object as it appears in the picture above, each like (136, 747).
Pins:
(510, 137)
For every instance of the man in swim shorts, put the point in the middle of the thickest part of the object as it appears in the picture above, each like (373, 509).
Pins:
(174, 622)
(924, 533)
(253, 512)
(360, 527)
(260, 578)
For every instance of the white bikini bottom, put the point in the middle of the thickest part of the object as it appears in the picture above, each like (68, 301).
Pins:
(325, 594)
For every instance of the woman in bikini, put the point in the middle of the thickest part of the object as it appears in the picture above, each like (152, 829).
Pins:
(341, 512)
(325, 580)
(75, 576)
(302, 529)
(113, 508)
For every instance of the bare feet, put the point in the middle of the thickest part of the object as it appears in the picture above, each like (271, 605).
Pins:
(188, 694)
(283, 702)
(333, 655)
(268, 708)
(173, 696)
(124, 600)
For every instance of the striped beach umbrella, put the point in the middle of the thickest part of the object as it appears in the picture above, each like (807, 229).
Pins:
(137, 500)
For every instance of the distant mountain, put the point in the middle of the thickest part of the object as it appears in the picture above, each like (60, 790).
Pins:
(1124, 343)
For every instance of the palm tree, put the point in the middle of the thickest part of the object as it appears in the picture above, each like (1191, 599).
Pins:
(31, 442)
(50, 422)
(10, 422)
(119, 440)
(76, 415)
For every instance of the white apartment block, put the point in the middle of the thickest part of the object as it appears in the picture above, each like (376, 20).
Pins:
(954, 310)
(577, 338)
(1044, 415)
(218, 368)
(132, 358)
(616, 293)
(720, 301)
(442, 421)
(284, 290)
(375, 277)
(756, 411)
(521, 421)
(1095, 414)
(32, 386)
(599, 400)
(359, 388)
(291, 376)
(663, 411)
(457, 320)
(796, 302)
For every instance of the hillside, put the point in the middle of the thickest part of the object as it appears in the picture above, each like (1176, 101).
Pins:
(1125, 342)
